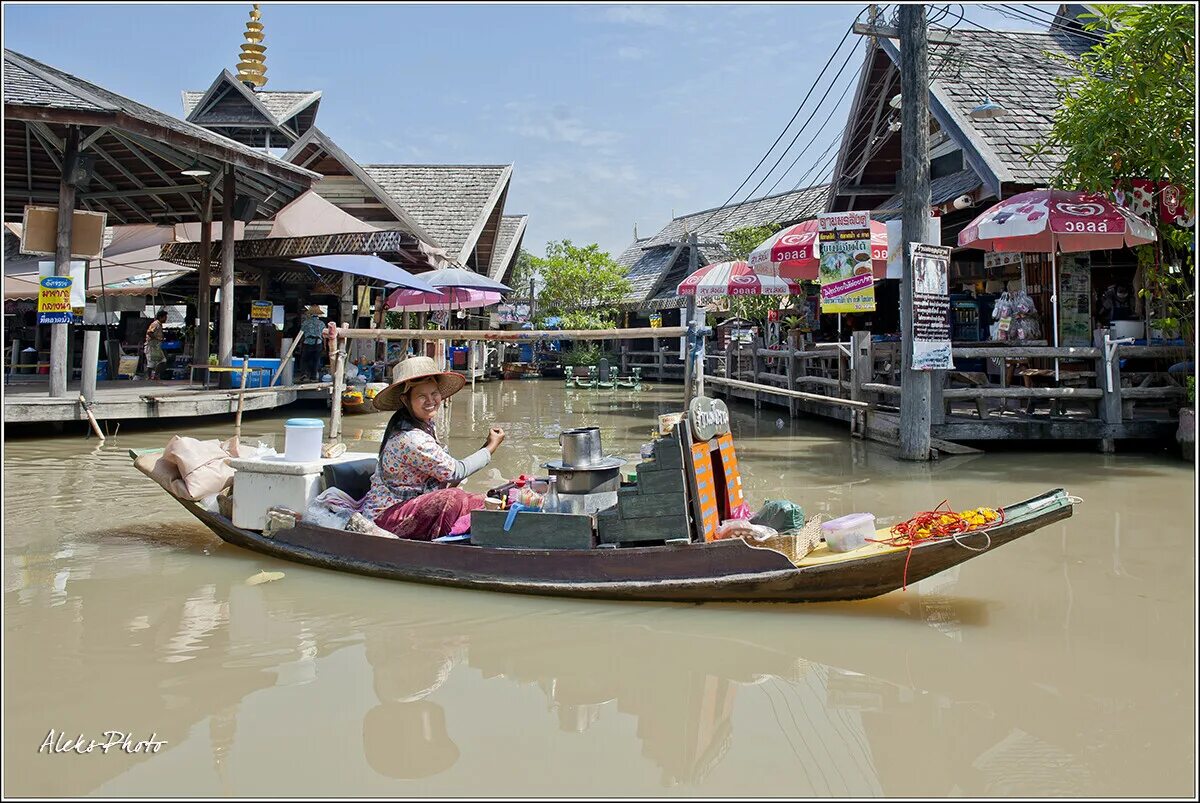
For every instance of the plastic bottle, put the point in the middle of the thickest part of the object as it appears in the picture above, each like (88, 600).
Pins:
(550, 503)
(514, 491)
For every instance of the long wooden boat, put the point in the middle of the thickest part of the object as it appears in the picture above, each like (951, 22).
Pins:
(726, 570)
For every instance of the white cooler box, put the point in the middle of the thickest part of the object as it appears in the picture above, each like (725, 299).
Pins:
(269, 482)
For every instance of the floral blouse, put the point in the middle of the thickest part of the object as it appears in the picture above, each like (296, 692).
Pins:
(412, 463)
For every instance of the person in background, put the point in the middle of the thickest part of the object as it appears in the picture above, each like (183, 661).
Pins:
(1117, 304)
(413, 493)
(311, 335)
(153, 345)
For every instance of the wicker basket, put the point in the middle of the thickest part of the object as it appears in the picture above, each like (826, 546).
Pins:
(796, 544)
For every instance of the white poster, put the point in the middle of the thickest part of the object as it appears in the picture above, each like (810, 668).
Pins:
(931, 307)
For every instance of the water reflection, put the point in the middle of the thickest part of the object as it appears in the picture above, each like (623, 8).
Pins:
(1060, 664)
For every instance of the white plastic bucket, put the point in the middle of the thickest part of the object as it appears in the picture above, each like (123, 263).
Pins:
(302, 439)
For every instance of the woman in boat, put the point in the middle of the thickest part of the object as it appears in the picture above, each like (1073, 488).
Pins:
(413, 492)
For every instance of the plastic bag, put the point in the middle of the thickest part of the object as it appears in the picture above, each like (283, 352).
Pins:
(780, 514)
(1003, 308)
(1023, 304)
(742, 528)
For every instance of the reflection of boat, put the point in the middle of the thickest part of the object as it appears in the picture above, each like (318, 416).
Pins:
(728, 569)
(520, 370)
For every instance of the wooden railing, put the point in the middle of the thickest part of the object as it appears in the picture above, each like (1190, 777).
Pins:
(863, 370)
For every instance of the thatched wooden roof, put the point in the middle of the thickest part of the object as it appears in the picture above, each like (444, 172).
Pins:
(137, 153)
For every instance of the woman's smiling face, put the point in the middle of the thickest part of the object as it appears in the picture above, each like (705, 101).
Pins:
(424, 399)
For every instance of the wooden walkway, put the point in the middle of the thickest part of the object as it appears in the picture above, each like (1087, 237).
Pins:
(122, 400)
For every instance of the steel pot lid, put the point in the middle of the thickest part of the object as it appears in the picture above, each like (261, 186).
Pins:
(606, 463)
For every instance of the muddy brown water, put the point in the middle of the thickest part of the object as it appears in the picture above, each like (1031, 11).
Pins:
(1063, 664)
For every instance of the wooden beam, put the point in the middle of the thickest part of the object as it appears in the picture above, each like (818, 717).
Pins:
(868, 189)
(91, 140)
(888, 32)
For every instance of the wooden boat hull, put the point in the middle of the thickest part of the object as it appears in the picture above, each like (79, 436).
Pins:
(357, 408)
(728, 570)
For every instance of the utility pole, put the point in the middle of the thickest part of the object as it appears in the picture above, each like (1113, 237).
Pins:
(915, 409)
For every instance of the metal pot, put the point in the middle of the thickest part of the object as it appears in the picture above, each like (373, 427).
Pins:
(600, 480)
(581, 446)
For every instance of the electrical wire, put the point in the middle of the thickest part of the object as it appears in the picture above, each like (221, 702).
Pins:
(778, 139)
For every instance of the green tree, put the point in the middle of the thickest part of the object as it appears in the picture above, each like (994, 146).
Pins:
(522, 273)
(739, 243)
(1128, 112)
(583, 285)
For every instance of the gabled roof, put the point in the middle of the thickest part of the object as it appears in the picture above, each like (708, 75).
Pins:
(316, 140)
(277, 107)
(508, 245)
(1013, 69)
(786, 207)
(451, 202)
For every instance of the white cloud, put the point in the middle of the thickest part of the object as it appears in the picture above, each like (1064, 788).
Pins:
(653, 16)
(557, 124)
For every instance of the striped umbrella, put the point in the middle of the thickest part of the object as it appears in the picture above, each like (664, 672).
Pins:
(795, 253)
(734, 279)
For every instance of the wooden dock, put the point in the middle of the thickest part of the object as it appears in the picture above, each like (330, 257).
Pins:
(29, 402)
(1016, 396)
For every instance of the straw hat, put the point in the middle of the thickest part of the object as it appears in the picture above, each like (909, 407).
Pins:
(315, 309)
(411, 370)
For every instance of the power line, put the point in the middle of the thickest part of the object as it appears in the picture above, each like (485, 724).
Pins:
(799, 108)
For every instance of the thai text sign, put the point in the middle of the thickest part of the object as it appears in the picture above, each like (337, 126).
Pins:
(931, 307)
(847, 284)
(708, 417)
(54, 300)
(261, 310)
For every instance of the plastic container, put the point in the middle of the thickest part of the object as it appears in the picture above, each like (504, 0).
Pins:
(101, 370)
(550, 503)
(373, 388)
(302, 439)
(848, 532)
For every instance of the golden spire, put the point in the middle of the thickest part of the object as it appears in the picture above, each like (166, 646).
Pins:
(252, 69)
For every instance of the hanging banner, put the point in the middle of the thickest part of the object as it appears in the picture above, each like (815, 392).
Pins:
(54, 300)
(931, 307)
(847, 284)
(261, 311)
(1075, 300)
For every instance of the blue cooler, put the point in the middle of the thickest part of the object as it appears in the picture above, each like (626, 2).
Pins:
(101, 370)
(255, 379)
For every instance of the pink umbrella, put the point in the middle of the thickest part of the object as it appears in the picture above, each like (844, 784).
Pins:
(795, 253)
(1048, 221)
(451, 298)
(734, 279)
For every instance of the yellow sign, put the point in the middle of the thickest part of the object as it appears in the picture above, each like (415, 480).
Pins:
(847, 283)
(261, 311)
(54, 300)
(656, 321)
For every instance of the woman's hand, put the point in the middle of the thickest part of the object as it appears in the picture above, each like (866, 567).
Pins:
(494, 439)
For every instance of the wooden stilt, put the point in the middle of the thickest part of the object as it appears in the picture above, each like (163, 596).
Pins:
(237, 421)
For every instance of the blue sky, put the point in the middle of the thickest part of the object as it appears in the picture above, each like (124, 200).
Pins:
(612, 115)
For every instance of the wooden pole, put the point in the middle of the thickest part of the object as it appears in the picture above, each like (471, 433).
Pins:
(62, 262)
(225, 340)
(204, 286)
(914, 142)
(91, 355)
(339, 383)
(237, 422)
(83, 403)
(517, 336)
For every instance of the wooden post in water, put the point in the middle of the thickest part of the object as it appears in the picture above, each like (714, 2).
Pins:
(61, 332)
(914, 139)
(860, 345)
(91, 356)
(1108, 377)
(339, 382)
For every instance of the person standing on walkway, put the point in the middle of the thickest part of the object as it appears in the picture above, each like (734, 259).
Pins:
(311, 343)
(153, 345)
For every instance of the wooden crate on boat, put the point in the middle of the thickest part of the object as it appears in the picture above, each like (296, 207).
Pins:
(532, 530)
